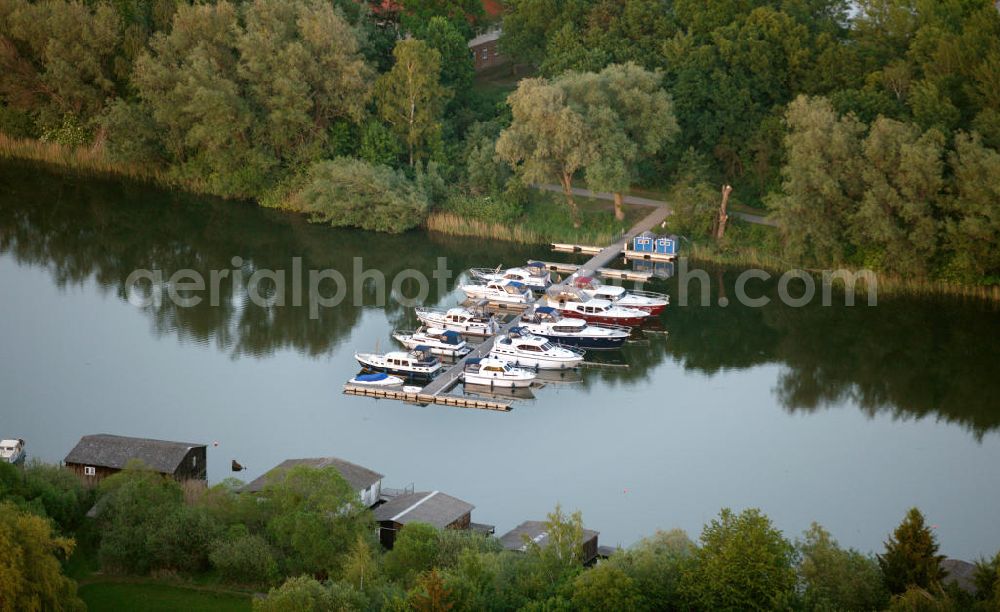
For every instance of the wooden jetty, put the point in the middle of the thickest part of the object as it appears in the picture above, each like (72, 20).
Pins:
(576, 248)
(425, 399)
(436, 392)
(568, 268)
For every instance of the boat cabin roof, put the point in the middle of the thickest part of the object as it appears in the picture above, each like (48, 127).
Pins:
(10, 443)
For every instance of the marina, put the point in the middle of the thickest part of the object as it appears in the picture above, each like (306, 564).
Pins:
(446, 380)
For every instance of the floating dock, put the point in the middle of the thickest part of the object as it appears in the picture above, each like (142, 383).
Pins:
(568, 268)
(425, 399)
(576, 248)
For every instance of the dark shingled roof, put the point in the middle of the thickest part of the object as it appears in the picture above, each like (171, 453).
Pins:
(358, 477)
(432, 507)
(534, 530)
(106, 450)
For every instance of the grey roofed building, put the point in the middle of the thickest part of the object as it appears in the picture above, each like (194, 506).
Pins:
(114, 452)
(433, 507)
(537, 532)
(360, 478)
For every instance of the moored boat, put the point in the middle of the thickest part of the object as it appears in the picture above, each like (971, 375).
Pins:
(499, 291)
(651, 302)
(534, 275)
(377, 379)
(522, 349)
(574, 302)
(419, 363)
(489, 372)
(442, 342)
(546, 322)
(12, 450)
(462, 320)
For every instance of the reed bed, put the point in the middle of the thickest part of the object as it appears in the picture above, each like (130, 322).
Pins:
(85, 159)
(455, 225)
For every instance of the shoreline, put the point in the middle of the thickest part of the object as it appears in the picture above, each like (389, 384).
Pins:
(93, 161)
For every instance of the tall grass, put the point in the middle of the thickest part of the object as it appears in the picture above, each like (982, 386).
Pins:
(86, 159)
(523, 232)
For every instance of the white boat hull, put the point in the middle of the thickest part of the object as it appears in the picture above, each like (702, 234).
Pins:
(482, 380)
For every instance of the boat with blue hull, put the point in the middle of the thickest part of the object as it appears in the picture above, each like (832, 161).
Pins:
(546, 322)
(418, 364)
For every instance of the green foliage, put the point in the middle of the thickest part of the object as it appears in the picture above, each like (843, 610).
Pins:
(415, 551)
(973, 224)
(31, 576)
(744, 563)
(47, 491)
(379, 146)
(17, 123)
(821, 183)
(69, 132)
(245, 559)
(429, 594)
(153, 597)
(312, 516)
(305, 594)
(410, 97)
(911, 556)
(605, 588)
(448, 40)
(837, 579)
(348, 192)
(655, 565)
(694, 201)
(134, 504)
(987, 579)
(496, 209)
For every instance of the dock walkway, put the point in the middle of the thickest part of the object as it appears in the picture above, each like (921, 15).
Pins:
(443, 382)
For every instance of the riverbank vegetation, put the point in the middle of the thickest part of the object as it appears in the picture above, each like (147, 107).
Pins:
(306, 540)
(870, 135)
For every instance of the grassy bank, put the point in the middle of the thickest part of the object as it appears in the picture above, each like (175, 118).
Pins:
(153, 597)
(545, 220)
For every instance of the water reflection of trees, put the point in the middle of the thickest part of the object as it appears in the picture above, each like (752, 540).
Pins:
(911, 358)
(83, 229)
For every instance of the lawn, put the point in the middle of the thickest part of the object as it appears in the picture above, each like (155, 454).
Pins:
(154, 597)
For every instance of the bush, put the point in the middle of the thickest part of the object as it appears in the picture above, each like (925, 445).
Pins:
(353, 193)
(17, 124)
(245, 559)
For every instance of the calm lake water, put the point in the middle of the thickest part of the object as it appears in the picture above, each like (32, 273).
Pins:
(845, 416)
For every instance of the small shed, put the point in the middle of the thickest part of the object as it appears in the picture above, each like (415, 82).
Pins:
(485, 50)
(517, 539)
(648, 243)
(432, 507)
(368, 483)
(98, 456)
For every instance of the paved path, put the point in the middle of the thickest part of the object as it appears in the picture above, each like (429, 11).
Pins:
(641, 201)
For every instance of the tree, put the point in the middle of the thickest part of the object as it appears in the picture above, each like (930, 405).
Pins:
(415, 551)
(306, 594)
(462, 14)
(410, 96)
(245, 558)
(910, 557)
(379, 146)
(631, 117)
(134, 504)
(605, 587)
(744, 563)
(655, 564)
(456, 63)
(973, 224)
(903, 180)
(31, 575)
(361, 568)
(547, 138)
(430, 594)
(838, 579)
(313, 516)
(821, 181)
(987, 579)
(348, 192)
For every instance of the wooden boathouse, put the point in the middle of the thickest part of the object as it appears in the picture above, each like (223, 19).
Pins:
(431, 507)
(98, 456)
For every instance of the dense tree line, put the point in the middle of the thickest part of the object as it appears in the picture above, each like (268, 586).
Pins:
(870, 128)
(307, 539)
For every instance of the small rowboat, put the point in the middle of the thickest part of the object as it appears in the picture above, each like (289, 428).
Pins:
(377, 379)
